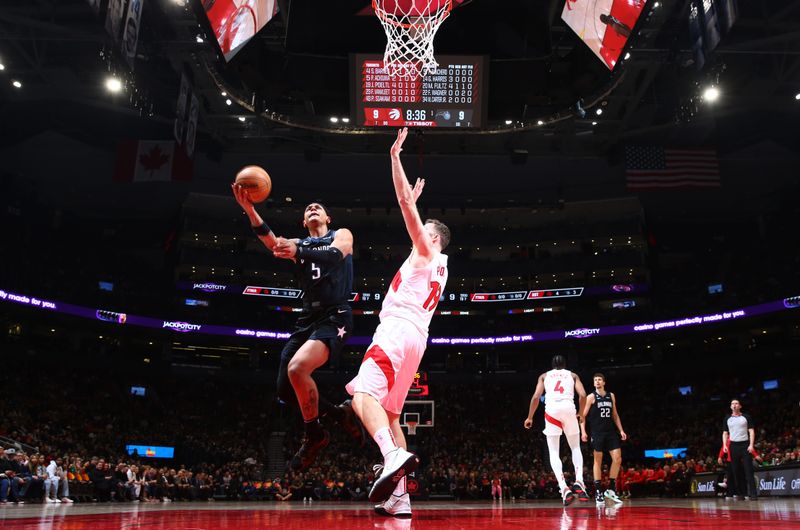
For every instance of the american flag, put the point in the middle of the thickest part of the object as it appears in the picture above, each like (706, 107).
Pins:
(651, 167)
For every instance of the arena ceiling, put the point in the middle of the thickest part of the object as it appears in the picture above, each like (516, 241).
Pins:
(298, 68)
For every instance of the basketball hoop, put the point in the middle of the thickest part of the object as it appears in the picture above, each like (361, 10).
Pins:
(410, 27)
(412, 427)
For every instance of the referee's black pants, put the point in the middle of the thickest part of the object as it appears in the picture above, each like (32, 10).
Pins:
(742, 463)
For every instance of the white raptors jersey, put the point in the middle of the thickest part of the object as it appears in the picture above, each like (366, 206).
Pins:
(415, 292)
(559, 388)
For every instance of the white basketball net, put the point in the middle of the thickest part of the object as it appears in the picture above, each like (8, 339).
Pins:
(409, 35)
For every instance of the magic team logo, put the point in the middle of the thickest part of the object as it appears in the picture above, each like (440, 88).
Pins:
(183, 327)
(581, 333)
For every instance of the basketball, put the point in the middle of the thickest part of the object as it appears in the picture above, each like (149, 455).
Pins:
(256, 182)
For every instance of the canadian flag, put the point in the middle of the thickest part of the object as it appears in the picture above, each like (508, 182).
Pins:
(151, 161)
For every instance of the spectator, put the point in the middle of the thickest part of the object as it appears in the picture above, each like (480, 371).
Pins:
(51, 480)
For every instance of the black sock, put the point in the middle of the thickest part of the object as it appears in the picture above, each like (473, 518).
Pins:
(598, 486)
(612, 484)
(314, 428)
(328, 409)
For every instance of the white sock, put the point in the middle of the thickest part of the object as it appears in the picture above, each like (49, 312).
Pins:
(553, 444)
(574, 441)
(385, 440)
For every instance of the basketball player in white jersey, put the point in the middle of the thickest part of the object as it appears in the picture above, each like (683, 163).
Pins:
(387, 371)
(559, 386)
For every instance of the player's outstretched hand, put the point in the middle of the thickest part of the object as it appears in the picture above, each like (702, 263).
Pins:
(241, 196)
(528, 423)
(284, 248)
(418, 186)
(397, 147)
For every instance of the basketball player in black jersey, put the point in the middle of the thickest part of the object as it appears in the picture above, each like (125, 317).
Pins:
(324, 271)
(600, 413)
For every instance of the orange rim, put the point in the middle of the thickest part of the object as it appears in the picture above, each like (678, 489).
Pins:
(443, 15)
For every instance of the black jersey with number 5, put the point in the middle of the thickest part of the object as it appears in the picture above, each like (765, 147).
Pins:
(600, 419)
(324, 285)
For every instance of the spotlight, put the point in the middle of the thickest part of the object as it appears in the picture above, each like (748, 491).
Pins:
(656, 4)
(2, 67)
(242, 118)
(228, 102)
(540, 122)
(16, 84)
(509, 122)
(594, 123)
(627, 55)
(345, 120)
(711, 94)
(113, 85)
(598, 112)
(334, 119)
(199, 39)
(223, 93)
(796, 96)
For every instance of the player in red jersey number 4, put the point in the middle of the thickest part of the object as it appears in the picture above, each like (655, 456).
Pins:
(387, 371)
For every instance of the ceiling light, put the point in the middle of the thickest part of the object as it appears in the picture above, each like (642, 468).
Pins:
(2, 67)
(16, 84)
(509, 122)
(598, 112)
(113, 85)
(627, 56)
(796, 96)
(540, 122)
(224, 93)
(228, 102)
(656, 4)
(711, 94)
(594, 123)
(241, 118)
(346, 120)
(334, 119)
(199, 39)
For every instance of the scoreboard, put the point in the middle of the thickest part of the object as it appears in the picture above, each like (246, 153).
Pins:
(453, 96)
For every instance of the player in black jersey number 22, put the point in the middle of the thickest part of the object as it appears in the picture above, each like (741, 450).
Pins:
(600, 412)
(324, 271)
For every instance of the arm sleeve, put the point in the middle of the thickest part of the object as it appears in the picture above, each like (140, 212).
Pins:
(750, 424)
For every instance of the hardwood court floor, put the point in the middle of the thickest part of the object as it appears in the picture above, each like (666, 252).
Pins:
(661, 514)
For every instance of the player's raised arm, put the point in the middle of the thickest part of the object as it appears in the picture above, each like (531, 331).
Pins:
(406, 198)
(258, 225)
(537, 395)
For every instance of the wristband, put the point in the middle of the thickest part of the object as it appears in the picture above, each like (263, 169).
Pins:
(262, 229)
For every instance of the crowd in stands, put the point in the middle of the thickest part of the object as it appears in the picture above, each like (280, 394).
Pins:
(220, 430)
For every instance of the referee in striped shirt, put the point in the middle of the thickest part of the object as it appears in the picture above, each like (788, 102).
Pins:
(740, 430)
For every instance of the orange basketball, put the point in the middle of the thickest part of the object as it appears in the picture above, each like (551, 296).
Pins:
(255, 181)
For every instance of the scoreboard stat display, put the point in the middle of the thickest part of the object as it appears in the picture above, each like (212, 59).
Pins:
(452, 96)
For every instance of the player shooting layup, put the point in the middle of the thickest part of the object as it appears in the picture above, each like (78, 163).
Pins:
(387, 371)
(559, 386)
